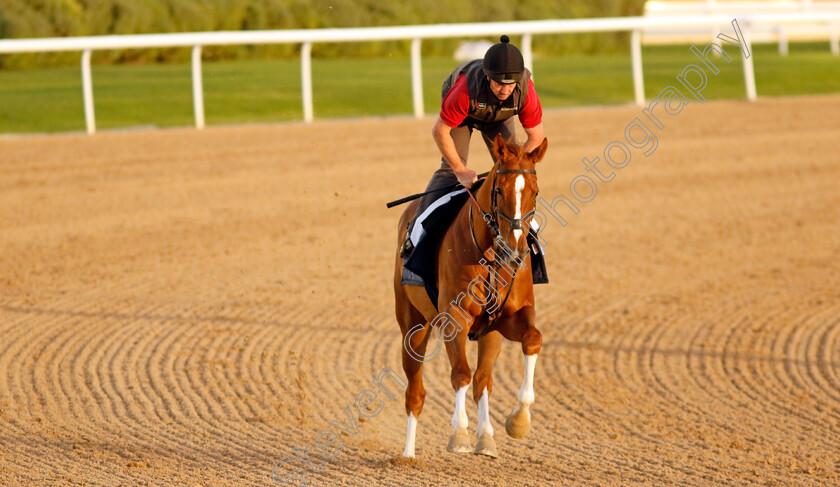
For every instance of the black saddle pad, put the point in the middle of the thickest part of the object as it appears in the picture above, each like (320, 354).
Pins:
(423, 259)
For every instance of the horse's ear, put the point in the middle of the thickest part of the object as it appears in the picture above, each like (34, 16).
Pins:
(537, 154)
(500, 147)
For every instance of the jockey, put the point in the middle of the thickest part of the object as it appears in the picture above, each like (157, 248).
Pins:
(482, 94)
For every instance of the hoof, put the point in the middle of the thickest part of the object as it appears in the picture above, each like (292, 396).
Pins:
(518, 423)
(486, 445)
(459, 442)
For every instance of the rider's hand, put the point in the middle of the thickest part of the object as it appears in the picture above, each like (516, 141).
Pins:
(466, 177)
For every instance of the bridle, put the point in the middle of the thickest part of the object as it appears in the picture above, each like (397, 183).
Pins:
(515, 223)
(492, 219)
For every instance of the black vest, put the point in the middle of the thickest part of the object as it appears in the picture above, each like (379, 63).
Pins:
(484, 106)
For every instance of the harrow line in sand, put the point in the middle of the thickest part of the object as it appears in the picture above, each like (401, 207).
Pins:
(829, 357)
(220, 410)
(157, 426)
(819, 390)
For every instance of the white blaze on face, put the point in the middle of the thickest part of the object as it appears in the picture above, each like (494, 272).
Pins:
(520, 185)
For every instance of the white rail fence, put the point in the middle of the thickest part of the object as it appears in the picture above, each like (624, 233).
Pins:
(780, 34)
(727, 7)
(527, 29)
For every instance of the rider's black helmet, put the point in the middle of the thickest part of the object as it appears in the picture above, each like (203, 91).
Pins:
(503, 62)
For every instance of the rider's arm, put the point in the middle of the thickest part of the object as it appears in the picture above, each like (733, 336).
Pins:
(535, 137)
(443, 138)
(531, 118)
(454, 109)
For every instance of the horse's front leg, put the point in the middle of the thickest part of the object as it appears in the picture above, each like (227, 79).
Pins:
(459, 441)
(521, 328)
(488, 351)
(518, 422)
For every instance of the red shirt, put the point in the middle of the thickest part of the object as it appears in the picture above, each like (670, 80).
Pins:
(456, 106)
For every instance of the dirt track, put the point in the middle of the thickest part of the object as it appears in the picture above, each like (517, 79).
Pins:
(185, 308)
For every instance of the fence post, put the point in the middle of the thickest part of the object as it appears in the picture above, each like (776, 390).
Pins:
(306, 80)
(835, 39)
(416, 78)
(749, 72)
(783, 41)
(638, 76)
(87, 92)
(198, 89)
(527, 52)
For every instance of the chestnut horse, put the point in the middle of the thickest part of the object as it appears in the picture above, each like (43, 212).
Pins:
(485, 253)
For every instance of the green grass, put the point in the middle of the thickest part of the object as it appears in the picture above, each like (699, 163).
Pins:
(49, 100)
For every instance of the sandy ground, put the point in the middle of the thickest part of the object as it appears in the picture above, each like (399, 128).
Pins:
(185, 308)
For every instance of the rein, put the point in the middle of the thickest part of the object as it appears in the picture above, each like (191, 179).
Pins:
(492, 221)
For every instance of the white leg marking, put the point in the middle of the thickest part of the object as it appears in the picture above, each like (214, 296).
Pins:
(410, 435)
(459, 417)
(526, 392)
(484, 425)
(520, 185)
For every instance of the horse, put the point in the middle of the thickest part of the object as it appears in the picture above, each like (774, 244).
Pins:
(483, 240)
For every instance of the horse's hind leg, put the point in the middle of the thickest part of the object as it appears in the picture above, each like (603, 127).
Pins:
(413, 351)
(488, 351)
(520, 327)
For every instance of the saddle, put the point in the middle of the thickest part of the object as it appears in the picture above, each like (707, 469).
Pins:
(420, 268)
